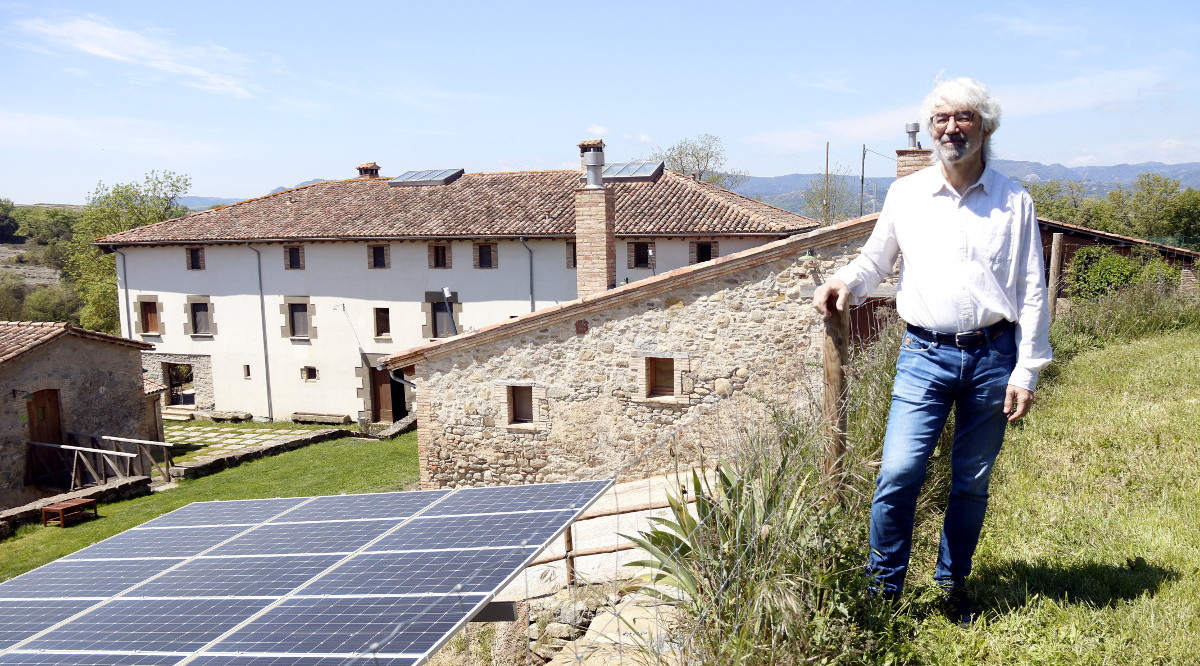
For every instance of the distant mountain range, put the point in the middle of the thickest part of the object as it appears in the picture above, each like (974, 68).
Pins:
(787, 191)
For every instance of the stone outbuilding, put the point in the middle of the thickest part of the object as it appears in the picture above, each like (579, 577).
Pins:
(57, 379)
(697, 356)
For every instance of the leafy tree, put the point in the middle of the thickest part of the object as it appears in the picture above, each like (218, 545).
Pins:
(54, 303)
(111, 210)
(1151, 198)
(833, 199)
(8, 223)
(46, 225)
(12, 295)
(1182, 218)
(1059, 200)
(703, 156)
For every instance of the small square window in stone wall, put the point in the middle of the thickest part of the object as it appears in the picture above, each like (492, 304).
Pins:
(293, 257)
(308, 373)
(640, 255)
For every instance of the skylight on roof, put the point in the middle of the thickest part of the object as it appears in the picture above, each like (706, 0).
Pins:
(426, 177)
(631, 171)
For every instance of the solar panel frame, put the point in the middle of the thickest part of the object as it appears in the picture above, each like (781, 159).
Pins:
(226, 598)
(426, 177)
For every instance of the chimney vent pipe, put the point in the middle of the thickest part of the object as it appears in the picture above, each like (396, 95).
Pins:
(912, 129)
(592, 153)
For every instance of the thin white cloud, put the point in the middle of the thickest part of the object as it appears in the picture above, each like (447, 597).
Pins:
(1029, 27)
(638, 138)
(836, 82)
(596, 130)
(50, 133)
(212, 68)
(1109, 89)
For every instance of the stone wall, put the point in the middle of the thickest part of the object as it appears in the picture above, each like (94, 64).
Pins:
(202, 376)
(99, 389)
(738, 344)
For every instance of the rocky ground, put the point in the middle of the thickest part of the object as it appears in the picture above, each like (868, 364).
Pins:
(32, 274)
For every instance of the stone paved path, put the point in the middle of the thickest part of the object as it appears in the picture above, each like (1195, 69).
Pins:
(218, 439)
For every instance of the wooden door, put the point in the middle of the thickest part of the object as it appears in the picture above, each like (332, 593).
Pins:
(45, 422)
(381, 396)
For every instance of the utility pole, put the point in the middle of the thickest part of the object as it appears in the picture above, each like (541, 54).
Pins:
(862, 180)
(826, 220)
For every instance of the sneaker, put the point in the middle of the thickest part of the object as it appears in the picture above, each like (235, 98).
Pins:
(958, 607)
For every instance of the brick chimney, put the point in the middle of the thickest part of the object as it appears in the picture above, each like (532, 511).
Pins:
(914, 158)
(368, 170)
(595, 241)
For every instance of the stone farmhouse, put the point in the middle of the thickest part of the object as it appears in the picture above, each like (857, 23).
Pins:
(699, 353)
(56, 379)
(284, 306)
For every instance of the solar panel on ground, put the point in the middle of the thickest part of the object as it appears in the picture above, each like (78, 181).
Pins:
(295, 581)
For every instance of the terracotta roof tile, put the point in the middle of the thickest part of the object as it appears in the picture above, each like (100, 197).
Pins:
(19, 337)
(529, 203)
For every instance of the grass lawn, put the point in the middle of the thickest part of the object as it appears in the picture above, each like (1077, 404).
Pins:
(326, 468)
(1091, 550)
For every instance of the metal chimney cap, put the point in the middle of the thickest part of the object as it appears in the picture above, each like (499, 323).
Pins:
(912, 127)
(591, 145)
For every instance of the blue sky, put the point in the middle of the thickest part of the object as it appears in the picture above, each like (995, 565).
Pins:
(247, 96)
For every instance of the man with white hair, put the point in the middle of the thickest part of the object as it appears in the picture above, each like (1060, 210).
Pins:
(972, 293)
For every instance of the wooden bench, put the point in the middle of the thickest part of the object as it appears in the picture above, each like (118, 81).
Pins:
(64, 512)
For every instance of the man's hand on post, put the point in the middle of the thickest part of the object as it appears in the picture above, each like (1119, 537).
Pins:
(1017, 402)
(832, 289)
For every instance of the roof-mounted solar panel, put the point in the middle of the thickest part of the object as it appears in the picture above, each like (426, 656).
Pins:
(633, 171)
(426, 177)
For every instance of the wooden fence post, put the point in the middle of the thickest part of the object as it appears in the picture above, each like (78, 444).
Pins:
(836, 357)
(1056, 256)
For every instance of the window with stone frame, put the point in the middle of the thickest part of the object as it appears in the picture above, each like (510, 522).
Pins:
(440, 255)
(298, 319)
(663, 376)
(572, 259)
(149, 316)
(200, 316)
(379, 256)
(195, 258)
(640, 255)
(383, 322)
(520, 403)
(441, 315)
(485, 255)
(660, 377)
(701, 251)
(293, 257)
(523, 405)
(308, 373)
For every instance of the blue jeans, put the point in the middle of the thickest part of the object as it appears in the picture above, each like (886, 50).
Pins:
(930, 377)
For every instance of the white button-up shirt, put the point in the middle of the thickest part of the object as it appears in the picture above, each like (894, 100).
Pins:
(968, 261)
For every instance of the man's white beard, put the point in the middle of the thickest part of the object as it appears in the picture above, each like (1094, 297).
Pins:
(955, 152)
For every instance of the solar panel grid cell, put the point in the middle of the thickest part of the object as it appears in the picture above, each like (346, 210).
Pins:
(349, 507)
(67, 578)
(294, 660)
(21, 619)
(487, 531)
(53, 659)
(144, 625)
(172, 542)
(510, 499)
(421, 573)
(242, 576)
(283, 538)
(316, 625)
(235, 512)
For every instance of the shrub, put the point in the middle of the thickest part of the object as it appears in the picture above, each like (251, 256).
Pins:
(1099, 270)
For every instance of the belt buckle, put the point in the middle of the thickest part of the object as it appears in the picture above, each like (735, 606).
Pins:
(968, 339)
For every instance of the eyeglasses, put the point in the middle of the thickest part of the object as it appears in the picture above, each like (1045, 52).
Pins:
(961, 118)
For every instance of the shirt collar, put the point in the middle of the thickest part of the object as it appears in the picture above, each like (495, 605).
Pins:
(938, 184)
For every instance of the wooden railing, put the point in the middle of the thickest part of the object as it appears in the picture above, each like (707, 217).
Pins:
(94, 459)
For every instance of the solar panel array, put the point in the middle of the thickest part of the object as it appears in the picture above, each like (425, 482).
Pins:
(309, 581)
(426, 177)
(632, 171)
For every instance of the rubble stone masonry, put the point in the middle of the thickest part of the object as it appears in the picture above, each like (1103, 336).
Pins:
(736, 345)
(99, 390)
